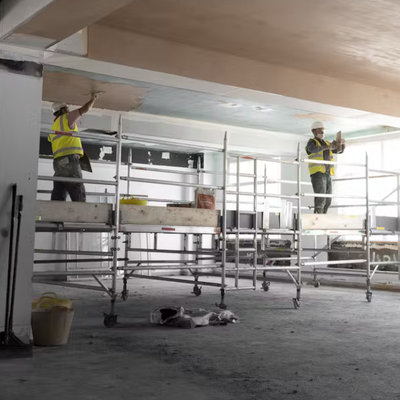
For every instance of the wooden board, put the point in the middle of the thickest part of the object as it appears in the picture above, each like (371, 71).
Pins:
(150, 215)
(73, 211)
(339, 141)
(330, 221)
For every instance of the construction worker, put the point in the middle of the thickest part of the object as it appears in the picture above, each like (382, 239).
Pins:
(319, 149)
(67, 150)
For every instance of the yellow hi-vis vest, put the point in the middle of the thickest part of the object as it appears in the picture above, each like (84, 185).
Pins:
(63, 145)
(314, 168)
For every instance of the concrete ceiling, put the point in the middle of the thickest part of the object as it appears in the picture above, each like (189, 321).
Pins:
(265, 64)
(333, 52)
(355, 40)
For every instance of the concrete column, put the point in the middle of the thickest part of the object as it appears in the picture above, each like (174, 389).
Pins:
(20, 102)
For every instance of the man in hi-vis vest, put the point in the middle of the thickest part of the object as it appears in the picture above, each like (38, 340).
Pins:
(319, 149)
(67, 150)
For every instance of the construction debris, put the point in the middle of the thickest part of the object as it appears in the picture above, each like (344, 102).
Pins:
(181, 318)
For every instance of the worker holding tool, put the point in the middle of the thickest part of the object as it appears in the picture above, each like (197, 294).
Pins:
(319, 149)
(67, 150)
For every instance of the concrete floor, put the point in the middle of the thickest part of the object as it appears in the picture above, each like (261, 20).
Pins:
(336, 346)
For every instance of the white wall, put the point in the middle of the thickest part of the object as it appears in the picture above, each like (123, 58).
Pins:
(20, 103)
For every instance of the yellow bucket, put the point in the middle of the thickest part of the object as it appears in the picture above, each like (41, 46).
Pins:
(49, 300)
(51, 320)
(133, 200)
(51, 326)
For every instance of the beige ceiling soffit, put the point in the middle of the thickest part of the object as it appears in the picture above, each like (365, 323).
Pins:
(338, 38)
(62, 18)
(75, 89)
(126, 48)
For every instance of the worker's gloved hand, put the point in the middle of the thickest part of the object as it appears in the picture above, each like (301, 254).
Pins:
(96, 95)
(333, 145)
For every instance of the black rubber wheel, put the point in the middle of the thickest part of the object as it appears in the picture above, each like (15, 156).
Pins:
(296, 303)
(110, 320)
(317, 284)
(265, 286)
(124, 295)
(196, 290)
(369, 297)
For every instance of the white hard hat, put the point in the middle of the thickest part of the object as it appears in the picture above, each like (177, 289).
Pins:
(58, 106)
(317, 125)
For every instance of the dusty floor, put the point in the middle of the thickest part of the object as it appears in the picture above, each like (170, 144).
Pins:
(337, 346)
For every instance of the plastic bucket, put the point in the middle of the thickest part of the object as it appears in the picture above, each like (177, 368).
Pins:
(50, 299)
(51, 327)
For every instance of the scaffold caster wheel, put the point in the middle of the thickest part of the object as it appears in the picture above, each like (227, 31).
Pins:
(317, 284)
(296, 303)
(369, 297)
(196, 290)
(124, 295)
(265, 286)
(110, 320)
(222, 306)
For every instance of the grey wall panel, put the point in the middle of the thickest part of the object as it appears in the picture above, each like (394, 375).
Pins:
(20, 101)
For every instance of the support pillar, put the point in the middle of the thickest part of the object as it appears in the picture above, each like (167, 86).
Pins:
(20, 116)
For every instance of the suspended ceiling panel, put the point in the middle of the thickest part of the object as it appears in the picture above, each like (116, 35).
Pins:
(76, 89)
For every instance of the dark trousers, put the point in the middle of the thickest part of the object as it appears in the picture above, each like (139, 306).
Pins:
(321, 183)
(68, 166)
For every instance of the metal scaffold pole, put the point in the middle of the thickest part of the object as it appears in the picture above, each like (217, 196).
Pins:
(128, 183)
(367, 231)
(111, 319)
(264, 238)
(398, 219)
(298, 228)
(255, 254)
(223, 255)
(237, 240)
